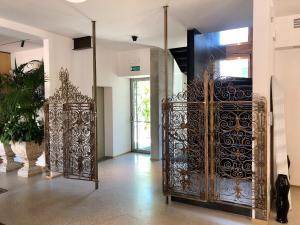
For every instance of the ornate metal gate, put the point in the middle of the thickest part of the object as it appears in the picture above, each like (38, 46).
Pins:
(70, 132)
(184, 164)
(215, 145)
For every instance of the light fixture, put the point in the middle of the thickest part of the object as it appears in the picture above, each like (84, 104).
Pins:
(22, 43)
(76, 1)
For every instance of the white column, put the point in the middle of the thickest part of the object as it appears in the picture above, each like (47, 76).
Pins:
(263, 59)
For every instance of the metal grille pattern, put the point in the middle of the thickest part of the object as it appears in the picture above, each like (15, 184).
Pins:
(232, 130)
(186, 163)
(185, 159)
(215, 144)
(69, 131)
(259, 126)
(79, 137)
(55, 137)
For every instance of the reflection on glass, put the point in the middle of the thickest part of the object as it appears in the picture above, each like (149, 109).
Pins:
(140, 94)
(234, 36)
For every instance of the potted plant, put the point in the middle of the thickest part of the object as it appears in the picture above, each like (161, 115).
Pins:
(23, 128)
(7, 156)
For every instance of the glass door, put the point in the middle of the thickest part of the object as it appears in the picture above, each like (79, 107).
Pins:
(140, 115)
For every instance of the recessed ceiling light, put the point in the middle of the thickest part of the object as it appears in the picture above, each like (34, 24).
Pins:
(76, 1)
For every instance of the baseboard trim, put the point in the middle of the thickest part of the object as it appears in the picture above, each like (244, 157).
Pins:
(105, 158)
(216, 206)
(141, 152)
(154, 160)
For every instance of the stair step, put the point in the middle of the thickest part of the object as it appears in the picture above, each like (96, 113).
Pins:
(180, 56)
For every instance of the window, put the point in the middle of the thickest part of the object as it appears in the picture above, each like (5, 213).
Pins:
(235, 68)
(234, 36)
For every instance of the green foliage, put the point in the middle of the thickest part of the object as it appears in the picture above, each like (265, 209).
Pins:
(4, 116)
(22, 96)
(146, 105)
(29, 130)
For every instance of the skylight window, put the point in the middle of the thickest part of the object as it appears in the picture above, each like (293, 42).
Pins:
(234, 36)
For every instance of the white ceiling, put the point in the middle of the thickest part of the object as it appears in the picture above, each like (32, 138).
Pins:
(10, 41)
(117, 20)
(287, 7)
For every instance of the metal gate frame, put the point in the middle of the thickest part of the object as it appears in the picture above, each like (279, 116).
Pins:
(69, 140)
(179, 141)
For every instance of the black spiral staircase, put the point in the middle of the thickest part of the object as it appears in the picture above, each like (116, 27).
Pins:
(180, 56)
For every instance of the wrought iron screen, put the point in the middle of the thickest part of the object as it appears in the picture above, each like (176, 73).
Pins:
(232, 130)
(54, 137)
(70, 132)
(79, 141)
(215, 144)
(184, 167)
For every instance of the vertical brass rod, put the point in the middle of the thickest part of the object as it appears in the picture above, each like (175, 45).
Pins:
(47, 139)
(255, 116)
(265, 148)
(95, 101)
(166, 156)
(206, 134)
(166, 51)
(212, 155)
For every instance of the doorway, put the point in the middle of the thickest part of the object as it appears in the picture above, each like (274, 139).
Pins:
(140, 115)
(100, 123)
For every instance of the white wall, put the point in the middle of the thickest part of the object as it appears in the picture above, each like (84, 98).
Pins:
(26, 56)
(286, 34)
(58, 53)
(287, 71)
(263, 57)
(139, 57)
(107, 69)
(81, 75)
(179, 80)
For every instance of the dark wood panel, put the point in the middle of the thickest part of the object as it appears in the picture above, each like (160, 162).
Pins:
(5, 64)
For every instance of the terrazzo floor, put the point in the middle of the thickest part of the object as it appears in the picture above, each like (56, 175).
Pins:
(130, 194)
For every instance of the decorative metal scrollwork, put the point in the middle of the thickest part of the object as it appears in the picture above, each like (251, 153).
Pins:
(79, 143)
(185, 165)
(231, 167)
(233, 140)
(70, 131)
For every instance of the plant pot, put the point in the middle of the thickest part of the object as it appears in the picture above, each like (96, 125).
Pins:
(8, 159)
(28, 152)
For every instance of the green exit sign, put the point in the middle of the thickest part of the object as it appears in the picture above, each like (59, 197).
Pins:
(135, 68)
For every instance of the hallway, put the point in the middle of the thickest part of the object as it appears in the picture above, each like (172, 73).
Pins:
(130, 194)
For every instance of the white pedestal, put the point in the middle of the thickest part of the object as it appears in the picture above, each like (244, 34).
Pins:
(29, 171)
(8, 159)
(29, 152)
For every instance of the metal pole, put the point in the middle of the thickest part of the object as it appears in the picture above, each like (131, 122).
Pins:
(95, 100)
(166, 106)
(166, 51)
(212, 153)
(206, 133)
